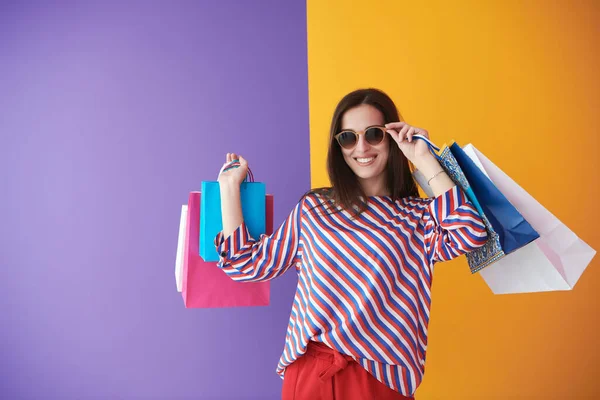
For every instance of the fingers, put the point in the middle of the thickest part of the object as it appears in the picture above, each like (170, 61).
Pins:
(418, 131)
(404, 131)
(395, 125)
(401, 131)
(393, 134)
(396, 136)
(410, 133)
(233, 159)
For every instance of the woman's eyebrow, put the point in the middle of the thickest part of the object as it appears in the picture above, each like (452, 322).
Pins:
(366, 127)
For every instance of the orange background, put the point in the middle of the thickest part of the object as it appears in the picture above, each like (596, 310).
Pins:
(519, 80)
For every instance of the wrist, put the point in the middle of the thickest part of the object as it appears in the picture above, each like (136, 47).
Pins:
(428, 165)
(229, 187)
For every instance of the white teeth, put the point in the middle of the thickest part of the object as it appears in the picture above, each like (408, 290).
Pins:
(365, 160)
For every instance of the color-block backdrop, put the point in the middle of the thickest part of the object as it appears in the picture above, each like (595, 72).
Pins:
(520, 80)
(109, 115)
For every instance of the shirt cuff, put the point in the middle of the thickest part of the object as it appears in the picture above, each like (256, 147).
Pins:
(229, 248)
(446, 203)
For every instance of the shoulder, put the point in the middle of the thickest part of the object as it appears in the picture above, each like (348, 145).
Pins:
(315, 198)
(318, 195)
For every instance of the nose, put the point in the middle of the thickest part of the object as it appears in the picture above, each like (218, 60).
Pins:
(362, 146)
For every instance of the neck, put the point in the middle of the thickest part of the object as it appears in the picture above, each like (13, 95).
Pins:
(375, 186)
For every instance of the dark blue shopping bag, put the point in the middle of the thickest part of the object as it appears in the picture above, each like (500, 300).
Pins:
(512, 228)
(253, 197)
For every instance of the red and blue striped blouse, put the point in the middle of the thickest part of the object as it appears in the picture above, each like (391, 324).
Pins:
(364, 284)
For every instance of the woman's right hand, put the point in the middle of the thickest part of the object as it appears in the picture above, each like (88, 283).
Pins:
(234, 176)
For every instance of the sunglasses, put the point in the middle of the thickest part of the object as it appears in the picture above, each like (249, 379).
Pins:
(349, 138)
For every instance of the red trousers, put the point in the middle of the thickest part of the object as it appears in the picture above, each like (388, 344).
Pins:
(325, 374)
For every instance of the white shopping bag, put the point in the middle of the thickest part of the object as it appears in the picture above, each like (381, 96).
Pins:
(180, 248)
(555, 261)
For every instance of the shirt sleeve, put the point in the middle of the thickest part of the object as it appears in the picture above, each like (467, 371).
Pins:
(453, 226)
(247, 259)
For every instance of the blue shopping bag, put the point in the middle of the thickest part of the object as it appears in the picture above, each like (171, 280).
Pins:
(253, 197)
(513, 229)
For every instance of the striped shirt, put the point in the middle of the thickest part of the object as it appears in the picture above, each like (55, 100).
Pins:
(364, 284)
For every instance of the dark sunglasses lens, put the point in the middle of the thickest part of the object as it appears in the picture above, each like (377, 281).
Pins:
(374, 135)
(347, 139)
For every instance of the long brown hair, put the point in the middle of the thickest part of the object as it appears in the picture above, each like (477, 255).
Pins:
(346, 191)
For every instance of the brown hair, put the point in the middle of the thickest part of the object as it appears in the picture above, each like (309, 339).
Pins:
(346, 190)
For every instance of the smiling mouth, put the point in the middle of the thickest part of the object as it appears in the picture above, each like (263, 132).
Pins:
(363, 162)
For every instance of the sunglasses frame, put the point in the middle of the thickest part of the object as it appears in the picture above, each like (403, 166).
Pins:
(358, 133)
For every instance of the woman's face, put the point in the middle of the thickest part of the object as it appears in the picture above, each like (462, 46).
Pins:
(367, 161)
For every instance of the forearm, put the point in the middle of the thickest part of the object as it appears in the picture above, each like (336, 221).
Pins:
(248, 259)
(430, 166)
(231, 208)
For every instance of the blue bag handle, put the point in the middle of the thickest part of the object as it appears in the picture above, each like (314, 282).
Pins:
(432, 147)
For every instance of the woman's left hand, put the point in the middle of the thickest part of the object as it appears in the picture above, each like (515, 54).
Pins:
(402, 133)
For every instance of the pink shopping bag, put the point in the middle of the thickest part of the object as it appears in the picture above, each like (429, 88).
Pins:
(204, 285)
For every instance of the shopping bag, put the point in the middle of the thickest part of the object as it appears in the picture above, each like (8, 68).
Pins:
(512, 228)
(554, 261)
(492, 250)
(253, 211)
(180, 247)
(205, 285)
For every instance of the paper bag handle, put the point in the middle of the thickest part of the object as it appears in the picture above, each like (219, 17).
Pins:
(432, 147)
(236, 164)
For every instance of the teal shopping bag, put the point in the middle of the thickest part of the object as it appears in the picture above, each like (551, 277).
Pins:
(253, 197)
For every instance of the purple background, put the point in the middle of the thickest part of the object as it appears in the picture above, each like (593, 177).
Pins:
(109, 116)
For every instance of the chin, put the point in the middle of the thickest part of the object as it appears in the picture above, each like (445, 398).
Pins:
(370, 172)
(367, 176)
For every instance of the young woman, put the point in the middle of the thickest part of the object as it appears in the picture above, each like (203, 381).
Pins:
(364, 251)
